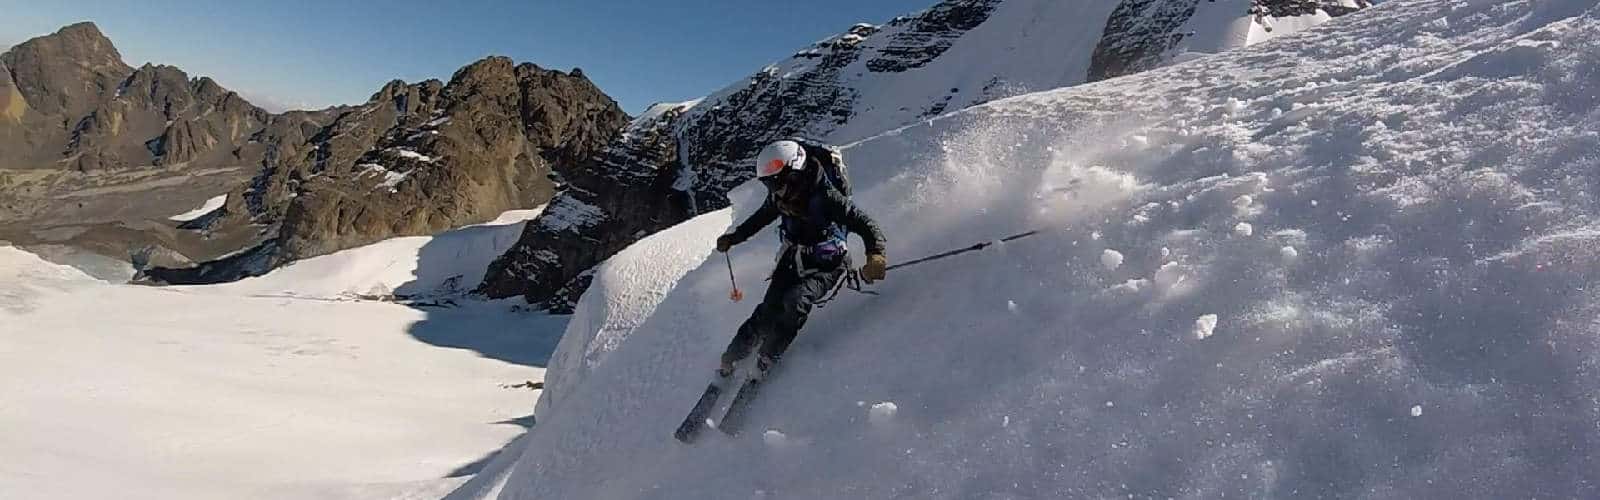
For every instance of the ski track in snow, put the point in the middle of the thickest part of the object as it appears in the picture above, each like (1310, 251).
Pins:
(1420, 185)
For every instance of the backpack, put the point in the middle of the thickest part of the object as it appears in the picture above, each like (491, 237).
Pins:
(834, 171)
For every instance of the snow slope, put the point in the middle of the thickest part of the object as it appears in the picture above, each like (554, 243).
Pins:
(280, 386)
(410, 267)
(1355, 262)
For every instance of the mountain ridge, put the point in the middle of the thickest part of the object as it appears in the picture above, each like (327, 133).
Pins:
(864, 81)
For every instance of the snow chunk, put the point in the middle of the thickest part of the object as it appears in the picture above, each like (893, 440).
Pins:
(1011, 305)
(1112, 259)
(882, 413)
(1416, 411)
(1205, 326)
(774, 437)
(211, 205)
(1244, 229)
(1288, 253)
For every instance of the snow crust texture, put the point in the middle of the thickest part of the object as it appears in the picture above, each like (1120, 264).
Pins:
(1419, 182)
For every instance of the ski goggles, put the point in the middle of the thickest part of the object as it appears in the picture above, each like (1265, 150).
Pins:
(780, 181)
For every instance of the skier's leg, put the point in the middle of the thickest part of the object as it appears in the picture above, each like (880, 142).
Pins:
(761, 322)
(795, 306)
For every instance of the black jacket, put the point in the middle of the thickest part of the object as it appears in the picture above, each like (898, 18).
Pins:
(836, 208)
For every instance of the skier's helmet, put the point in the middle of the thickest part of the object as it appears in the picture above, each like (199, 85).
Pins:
(780, 156)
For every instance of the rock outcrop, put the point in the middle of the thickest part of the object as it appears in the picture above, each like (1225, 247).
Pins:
(1145, 34)
(415, 159)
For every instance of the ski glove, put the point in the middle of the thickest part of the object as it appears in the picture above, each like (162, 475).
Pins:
(877, 266)
(726, 242)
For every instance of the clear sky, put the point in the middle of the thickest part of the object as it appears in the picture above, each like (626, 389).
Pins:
(298, 53)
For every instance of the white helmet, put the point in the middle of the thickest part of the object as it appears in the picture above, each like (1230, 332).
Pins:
(778, 155)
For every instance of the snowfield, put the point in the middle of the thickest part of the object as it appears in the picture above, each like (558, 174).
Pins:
(1315, 238)
(281, 386)
(211, 205)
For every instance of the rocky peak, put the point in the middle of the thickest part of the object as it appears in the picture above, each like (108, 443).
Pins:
(65, 73)
(408, 99)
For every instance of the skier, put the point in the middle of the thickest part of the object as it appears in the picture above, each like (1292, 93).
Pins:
(807, 188)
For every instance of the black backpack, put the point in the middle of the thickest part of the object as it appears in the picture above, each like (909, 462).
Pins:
(833, 168)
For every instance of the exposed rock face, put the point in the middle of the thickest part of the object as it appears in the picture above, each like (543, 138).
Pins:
(491, 140)
(865, 81)
(1143, 34)
(415, 159)
(627, 189)
(13, 107)
(927, 36)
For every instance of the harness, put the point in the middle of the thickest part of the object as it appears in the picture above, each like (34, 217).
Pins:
(834, 244)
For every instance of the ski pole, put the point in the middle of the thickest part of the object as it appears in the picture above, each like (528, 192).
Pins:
(735, 295)
(973, 248)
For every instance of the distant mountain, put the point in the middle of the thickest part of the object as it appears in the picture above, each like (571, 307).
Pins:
(70, 102)
(681, 159)
(416, 159)
(97, 154)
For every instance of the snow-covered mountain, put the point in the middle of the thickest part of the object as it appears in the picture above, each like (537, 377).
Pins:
(1357, 262)
(682, 159)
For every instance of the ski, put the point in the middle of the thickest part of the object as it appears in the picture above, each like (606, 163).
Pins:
(734, 418)
(697, 416)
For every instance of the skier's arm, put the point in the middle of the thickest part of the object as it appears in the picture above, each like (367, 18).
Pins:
(842, 210)
(763, 216)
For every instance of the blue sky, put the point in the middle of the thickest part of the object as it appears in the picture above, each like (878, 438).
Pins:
(312, 54)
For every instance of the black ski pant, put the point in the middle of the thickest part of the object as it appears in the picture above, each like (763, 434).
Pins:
(783, 309)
